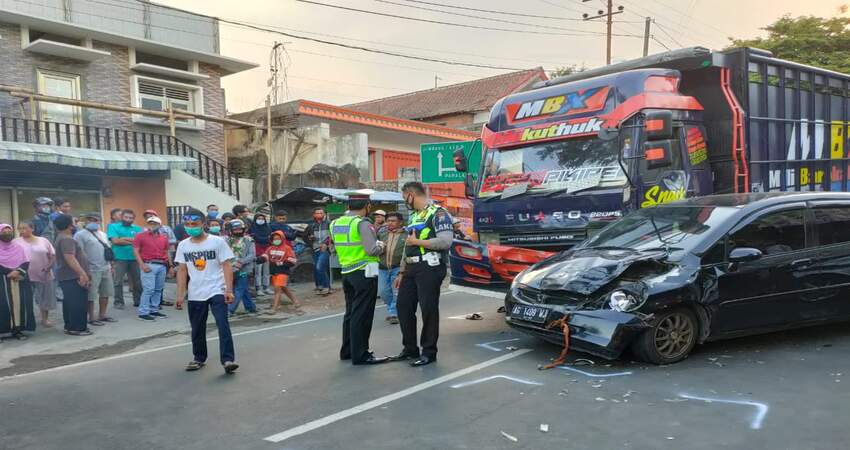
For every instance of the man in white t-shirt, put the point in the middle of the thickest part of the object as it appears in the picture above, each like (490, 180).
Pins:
(204, 264)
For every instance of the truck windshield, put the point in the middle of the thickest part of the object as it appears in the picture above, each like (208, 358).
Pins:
(674, 227)
(568, 165)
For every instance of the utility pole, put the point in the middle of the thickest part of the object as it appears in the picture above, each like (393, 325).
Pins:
(269, 165)
(646, 36)
(609, 24)
(275, 68)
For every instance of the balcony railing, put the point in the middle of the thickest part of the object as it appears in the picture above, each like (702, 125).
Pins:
(99, 138)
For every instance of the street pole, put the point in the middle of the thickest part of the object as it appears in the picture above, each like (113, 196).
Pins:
(269, 145)
(646, 36)
(610, 23)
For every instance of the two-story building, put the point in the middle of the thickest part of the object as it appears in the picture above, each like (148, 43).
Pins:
(125, 53)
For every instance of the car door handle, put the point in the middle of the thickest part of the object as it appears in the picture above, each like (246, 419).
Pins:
(801, 263)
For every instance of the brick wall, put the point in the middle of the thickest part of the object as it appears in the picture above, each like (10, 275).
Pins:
(105, 80)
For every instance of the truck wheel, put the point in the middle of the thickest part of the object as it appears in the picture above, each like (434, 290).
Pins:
(670, 340)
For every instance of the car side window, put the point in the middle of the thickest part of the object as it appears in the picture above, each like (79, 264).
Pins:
(832, 224)
(773, 233)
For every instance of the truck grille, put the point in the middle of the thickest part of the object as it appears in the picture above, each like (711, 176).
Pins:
(566, 238)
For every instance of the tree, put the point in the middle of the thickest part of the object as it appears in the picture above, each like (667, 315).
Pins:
(566, 70)
(817, 41)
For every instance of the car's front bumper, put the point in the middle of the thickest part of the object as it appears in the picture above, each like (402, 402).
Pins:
(604, 332)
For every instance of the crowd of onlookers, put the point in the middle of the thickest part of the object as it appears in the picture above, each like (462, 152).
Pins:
(60, 255)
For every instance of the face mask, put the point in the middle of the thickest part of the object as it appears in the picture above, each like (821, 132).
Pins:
(213, 214)
(92, 226)
(194, 231)
(261, 222)
(46, 209)
(7, 237)
(277, 242)
(126, 223)
(215, 230)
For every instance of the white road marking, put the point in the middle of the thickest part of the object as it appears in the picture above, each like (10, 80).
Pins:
(595, 375)
(183, 344)
(495, 349)
(495, 377)
(758, 418)
(478, 292)
(167, 347)
(319, 423)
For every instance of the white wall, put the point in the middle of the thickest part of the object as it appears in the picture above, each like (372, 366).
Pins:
(183, 189)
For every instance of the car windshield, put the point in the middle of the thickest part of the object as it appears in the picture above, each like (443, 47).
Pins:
(571, 165)
(661, 227)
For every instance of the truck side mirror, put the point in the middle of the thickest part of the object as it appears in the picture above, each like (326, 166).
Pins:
(460, 161)
(658, 154)
(658, 125)
(469, 186)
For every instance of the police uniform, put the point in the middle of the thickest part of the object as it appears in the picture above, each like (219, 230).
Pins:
(420, 285)
(360, 290)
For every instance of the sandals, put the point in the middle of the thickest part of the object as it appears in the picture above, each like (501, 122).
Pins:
(194, 365)
(96, 323)
(78, 333)
(107, 320)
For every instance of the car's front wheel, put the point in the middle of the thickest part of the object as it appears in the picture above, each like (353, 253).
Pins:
(670, 340)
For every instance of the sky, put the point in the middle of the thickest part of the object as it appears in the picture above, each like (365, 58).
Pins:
(340, 76)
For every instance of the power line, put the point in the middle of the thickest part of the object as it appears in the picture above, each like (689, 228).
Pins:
(663, 30)
(454, 24)
(492, 11)
(560, 6)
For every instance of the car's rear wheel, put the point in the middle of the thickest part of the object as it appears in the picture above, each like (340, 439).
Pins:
(670, 340)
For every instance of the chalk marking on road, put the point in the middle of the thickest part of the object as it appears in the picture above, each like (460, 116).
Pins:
(758, 418)
(319, 423)
(595, 375)
(495, 377)
(479, 292)
(495, 349)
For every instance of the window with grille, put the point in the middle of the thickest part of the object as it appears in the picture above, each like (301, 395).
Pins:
(158, 97)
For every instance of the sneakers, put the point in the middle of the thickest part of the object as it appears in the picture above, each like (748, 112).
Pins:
(325, 291)
(158, 315)
(230, 367)
(147, 318)
(269, 291)
(118, 306)
(194, 365)
(393, 320)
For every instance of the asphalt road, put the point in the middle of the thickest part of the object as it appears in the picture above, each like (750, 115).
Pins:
(784, 390)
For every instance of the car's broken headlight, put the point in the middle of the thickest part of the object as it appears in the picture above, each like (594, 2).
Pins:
(623, 301)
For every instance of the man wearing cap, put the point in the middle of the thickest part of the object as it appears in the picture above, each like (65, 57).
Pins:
(457, 229)
(93, 241)
(150, 248)
(172, 245)
(357, 246)
(423, 269)
(379, 218)
(41, 222)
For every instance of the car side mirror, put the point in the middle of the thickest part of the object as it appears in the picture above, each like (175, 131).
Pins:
(658, 125)
(658, 154)
(469, 186)
(744, 254)
(460, 161)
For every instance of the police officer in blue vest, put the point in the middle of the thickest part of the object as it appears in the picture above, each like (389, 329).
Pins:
(357, 247)
(423, 269)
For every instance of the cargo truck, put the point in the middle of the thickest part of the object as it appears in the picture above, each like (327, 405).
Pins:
(573, 154)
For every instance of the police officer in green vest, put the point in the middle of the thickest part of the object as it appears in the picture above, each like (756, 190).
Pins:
(357, 247)
(423, 269)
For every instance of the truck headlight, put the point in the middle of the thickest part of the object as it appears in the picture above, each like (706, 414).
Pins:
(623, 301)
(488, 238)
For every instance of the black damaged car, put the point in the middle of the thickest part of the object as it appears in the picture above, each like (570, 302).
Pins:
(663, 279)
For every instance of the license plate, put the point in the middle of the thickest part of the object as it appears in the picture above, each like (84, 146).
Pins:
(529, 313)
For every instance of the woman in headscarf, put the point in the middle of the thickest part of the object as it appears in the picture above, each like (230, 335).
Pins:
(42, 256)
(16, 312)
(260, 230)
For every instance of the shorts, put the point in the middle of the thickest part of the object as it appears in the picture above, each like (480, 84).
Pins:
(101, 285)
(44, 295)
(280, 280)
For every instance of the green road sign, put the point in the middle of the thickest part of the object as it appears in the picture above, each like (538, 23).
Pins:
(437, 161)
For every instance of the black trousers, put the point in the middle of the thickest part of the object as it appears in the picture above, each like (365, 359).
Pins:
(420, 286)
(198, 313)
(75, 305)
(360, 295)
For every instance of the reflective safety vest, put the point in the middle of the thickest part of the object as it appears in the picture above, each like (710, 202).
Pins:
(349, 247)
(420, 225)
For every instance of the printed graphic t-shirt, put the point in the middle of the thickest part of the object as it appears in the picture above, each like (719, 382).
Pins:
(203, 261)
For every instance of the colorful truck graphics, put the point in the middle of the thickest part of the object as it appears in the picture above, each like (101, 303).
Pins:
(575, 153)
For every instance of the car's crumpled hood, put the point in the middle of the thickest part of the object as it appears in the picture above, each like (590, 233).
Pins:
(583, 271)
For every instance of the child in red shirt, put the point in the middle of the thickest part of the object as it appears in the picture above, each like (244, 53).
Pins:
(281, 259)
